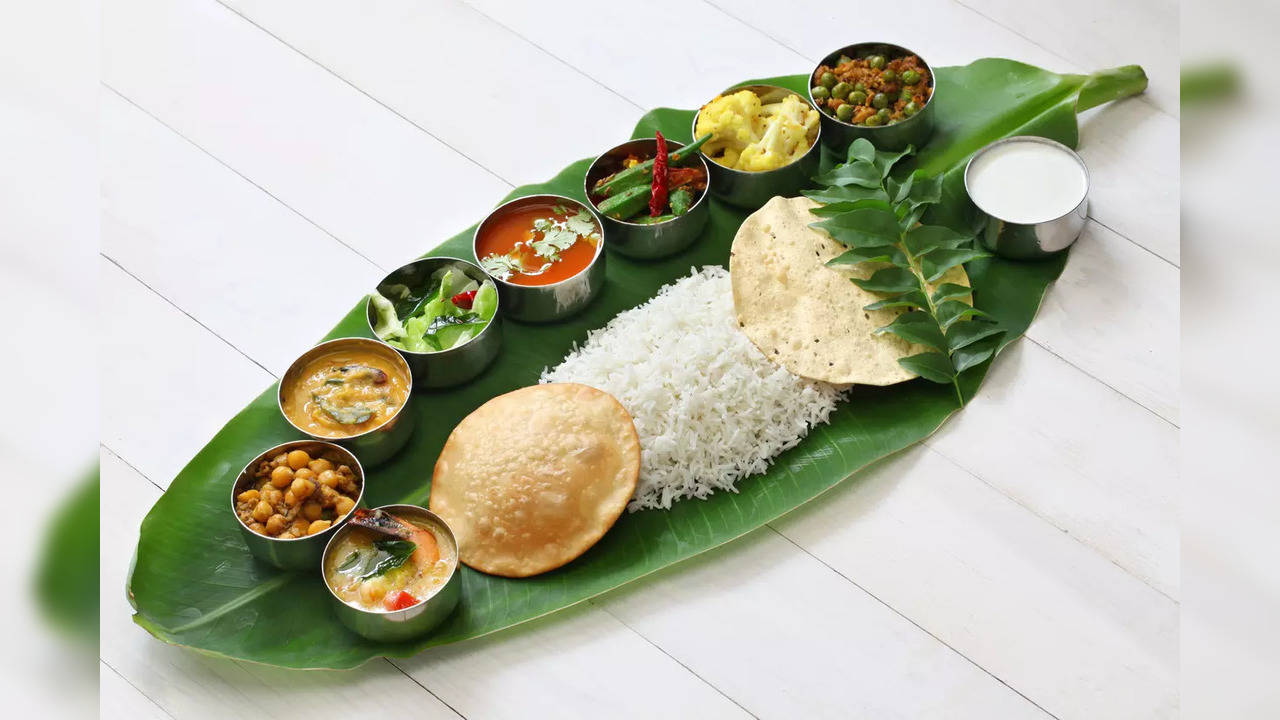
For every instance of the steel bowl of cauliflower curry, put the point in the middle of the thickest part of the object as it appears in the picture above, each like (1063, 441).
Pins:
(764, 142)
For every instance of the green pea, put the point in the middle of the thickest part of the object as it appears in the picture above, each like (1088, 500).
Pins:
(906, 94)
(880, 101)
(876, 62)
(858, 97)
(888, 76)
(828, 80)
(845, 112)
(844, 59)
(911, 77)
(873, 121)
(841, 90)
(820, 93)
(861, 87)
(910, 109)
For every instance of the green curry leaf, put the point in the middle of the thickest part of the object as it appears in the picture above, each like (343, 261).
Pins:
(917, 327)
(862, 227)
(930, 366)
(832, 194)
(859, 172)
(387, 556)
(861, 149)
(889, 280)
(962, 334)
(875, 253)
(938, 262)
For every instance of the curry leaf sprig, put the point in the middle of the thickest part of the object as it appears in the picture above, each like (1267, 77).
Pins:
(877, 217)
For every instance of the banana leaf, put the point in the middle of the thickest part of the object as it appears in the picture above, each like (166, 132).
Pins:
(194, 584)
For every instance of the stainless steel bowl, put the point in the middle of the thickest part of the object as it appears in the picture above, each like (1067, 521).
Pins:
(639, 240)
(915, 130)
(399, 624)
(292, 553)
(373, 446)
(1035, 241)
(458, 364)
(750, 190)
(544, 303)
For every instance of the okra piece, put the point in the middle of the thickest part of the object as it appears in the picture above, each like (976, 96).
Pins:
(642, 173)
(626, 203)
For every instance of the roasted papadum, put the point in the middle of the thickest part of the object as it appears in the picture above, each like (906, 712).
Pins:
(808, 317)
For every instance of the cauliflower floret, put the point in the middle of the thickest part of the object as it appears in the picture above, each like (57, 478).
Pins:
(734, 122)
(751, 136)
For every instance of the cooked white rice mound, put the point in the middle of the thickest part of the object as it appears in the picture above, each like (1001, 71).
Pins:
(709, 408)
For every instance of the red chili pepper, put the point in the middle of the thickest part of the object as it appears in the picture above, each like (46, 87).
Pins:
(661, 179)
(464, 300)
(399, 600)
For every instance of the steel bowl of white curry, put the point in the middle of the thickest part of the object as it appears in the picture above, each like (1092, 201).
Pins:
(392, 572)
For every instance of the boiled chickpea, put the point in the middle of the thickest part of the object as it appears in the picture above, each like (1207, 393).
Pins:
(328, 478)
(291, 499)
(300, 526)
(276, 524)
(302, 488)
(249, 496)
(320, 465)
(281, 476)
(304, 473)
(312, 510)
(343, 506)
(345, 471)
(318, 526)
(280, 459)
(262, 511)
(298, 459)
(272, 494)
(258, 528)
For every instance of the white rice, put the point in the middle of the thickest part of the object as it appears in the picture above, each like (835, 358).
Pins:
(709, 408)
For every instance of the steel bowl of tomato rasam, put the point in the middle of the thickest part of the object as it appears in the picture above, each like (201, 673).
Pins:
(546, 255)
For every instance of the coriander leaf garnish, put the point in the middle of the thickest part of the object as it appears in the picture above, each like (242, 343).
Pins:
(554, 240)
(501, 266)
(582, 224)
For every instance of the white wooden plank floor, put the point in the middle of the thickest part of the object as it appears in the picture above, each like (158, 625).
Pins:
(1023, 563)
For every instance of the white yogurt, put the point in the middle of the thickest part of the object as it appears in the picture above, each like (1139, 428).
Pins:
(1026, 182)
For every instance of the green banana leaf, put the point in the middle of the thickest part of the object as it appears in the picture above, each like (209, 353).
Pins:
(193, 582)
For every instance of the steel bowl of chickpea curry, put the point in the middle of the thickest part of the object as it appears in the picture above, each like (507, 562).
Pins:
(878, 91)
(290, 498)
(351, 391)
